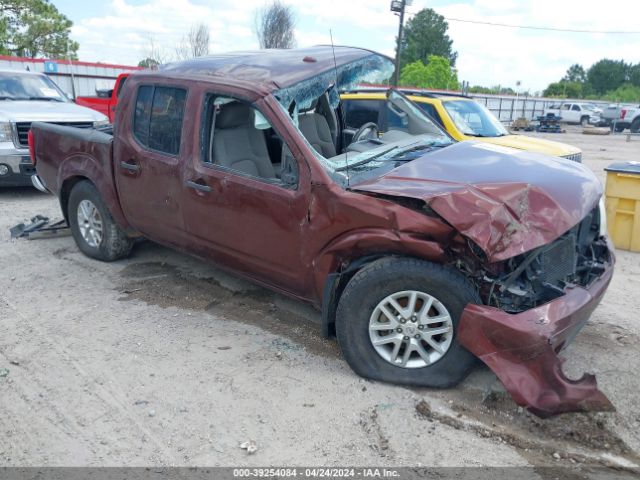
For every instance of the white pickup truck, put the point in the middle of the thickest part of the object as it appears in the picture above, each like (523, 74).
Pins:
(623, 117)
(576, 112)
(27, 97)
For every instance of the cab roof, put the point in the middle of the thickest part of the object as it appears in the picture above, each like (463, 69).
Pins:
(272, 68)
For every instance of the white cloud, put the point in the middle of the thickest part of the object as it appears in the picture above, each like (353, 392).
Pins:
(487, 55)
(491, 55)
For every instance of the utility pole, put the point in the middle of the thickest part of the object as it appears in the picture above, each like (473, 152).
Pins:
(397, 7)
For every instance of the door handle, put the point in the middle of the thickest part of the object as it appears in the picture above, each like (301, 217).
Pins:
(198, 186)
(132, 167)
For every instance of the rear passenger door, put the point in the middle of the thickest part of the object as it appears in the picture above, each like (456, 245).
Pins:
(149, 152)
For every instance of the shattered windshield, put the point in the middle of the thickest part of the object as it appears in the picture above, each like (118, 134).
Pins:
(313, 105)
(372, 69)
(474, 119)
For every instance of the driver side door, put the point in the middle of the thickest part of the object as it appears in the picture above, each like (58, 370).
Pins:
(238, 212)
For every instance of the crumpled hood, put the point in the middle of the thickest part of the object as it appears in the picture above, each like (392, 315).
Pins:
(46, 111)
(507, 201)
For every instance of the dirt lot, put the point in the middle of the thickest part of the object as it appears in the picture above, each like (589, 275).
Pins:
(163, 360)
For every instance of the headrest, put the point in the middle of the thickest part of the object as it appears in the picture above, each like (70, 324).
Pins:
(234, 115)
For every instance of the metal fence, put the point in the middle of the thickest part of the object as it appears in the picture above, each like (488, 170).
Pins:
(507, 107)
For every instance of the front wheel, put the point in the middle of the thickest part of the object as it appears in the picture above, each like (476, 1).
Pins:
(584, 121)
(635, 126)
(93, 228)
(397, 322)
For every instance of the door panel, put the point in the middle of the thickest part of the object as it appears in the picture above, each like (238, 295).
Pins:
(149, 179)
(254, 225)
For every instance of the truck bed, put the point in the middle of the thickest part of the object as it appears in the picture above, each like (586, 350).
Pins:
(61, 150)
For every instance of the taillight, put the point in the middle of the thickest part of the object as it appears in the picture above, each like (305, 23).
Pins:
(623, 112)
(32, 147)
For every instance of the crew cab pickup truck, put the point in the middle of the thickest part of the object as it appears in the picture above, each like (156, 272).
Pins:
(108, 101)
(573, 112)
(26, 97)
(422, 253)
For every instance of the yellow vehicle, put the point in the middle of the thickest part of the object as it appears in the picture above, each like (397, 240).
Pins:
(462, 117)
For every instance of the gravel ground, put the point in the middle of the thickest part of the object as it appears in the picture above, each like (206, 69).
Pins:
(163, 360)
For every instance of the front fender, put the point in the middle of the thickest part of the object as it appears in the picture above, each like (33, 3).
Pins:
(369, 244)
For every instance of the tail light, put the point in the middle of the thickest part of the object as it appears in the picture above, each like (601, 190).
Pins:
(623, 113)
(32, 147)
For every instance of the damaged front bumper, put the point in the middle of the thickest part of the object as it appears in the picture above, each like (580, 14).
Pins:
(522, 349)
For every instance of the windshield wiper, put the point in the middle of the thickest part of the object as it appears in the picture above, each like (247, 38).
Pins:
(50, 99)
(366, 160)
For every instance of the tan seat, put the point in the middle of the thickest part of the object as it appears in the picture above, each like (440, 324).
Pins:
(238, 145)
(315, 129)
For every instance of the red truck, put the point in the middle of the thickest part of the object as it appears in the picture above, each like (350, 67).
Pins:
(105, 104)
(423, 254)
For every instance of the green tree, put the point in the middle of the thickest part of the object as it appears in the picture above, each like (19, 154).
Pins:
(564, 89)
(607, 75)
(150, 63)
(576, 73)
(634, 74)
(436, 74)
(624, 93)
(35, 28)
(425, 34)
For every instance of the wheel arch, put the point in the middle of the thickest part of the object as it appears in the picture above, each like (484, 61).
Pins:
(345, 256)
(85, 168)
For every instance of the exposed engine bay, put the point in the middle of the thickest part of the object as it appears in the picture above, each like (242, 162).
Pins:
(526, 281)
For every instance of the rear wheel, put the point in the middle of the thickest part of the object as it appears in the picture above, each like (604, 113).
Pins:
(635, 126)
(93, 228)
(397, 322)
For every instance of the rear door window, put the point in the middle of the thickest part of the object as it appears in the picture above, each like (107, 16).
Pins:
(158, 117)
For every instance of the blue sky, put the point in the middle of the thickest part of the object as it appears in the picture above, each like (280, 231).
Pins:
(122, 31)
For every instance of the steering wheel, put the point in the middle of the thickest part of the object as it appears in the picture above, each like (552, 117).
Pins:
(367, 131)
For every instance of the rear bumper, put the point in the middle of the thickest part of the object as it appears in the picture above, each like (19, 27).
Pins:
(522, 349)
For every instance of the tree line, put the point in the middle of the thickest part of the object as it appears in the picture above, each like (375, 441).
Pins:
(606, 79)
(35, 28)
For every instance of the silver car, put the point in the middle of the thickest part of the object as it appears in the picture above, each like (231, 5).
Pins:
(27, 97)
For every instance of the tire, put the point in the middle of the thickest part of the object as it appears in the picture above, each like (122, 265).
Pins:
(584, 121)
(111, 243)
(635, 126)
(619, 128)
(374, 284)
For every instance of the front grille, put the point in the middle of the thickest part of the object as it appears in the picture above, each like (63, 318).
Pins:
(576, 157)
(558, 262)
(22, 129)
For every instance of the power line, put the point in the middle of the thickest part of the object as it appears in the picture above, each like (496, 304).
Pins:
(571, 30)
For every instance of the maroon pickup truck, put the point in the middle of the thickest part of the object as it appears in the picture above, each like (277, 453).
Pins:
(423, 254)
(106, 104)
